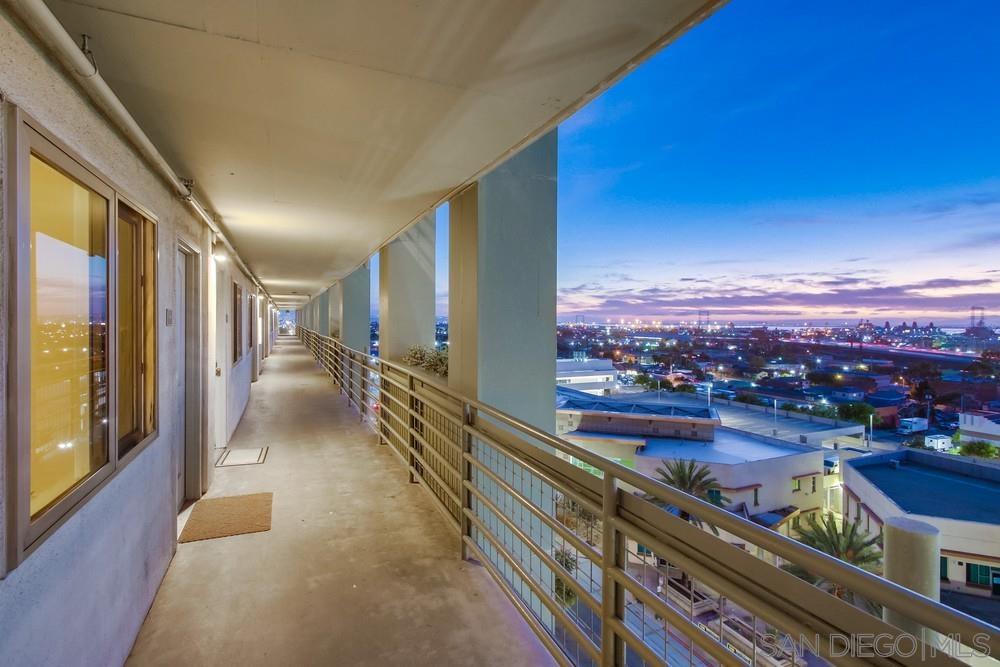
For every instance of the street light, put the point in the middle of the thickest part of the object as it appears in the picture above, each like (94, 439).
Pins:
(871, 429)
(710, 394)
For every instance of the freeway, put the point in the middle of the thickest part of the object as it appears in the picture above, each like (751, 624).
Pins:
(961, 358)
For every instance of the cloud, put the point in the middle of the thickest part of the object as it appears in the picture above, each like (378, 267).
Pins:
(789, 296)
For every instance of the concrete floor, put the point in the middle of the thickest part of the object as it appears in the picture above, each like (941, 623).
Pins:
(358, 568)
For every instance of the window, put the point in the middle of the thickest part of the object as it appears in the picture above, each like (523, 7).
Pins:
(796, 522)
(82, 333)
(68, 230)
(237, 319)
(813, 480)
(250, 319)
(756, 497)
(944, 568)
(977, 575)
(796, 485)
(715, 496)
(136, 245)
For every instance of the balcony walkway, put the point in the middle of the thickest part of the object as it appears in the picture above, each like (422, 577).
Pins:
(358, 568)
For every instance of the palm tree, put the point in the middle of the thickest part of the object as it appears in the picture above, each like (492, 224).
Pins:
(844, 540)
(695, 480)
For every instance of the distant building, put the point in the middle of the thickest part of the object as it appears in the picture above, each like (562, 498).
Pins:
(979, 426)
(958, 496)
(769, 481)
(593, 376)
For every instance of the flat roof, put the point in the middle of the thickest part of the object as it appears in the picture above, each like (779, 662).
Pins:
(578, 401)
(740, 417)
(729, 447)
(922, 486)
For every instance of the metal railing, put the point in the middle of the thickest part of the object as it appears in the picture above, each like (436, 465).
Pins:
(601, 564)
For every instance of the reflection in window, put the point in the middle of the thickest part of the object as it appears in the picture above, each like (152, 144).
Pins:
(69, 314)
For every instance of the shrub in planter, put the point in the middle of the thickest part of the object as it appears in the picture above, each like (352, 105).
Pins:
(432, 361)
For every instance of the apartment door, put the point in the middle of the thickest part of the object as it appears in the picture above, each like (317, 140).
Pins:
(180, 355)
(187, 446)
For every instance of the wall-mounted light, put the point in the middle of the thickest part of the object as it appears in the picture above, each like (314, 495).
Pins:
(219, 257)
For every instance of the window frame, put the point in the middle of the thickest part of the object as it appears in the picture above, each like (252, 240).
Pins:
(148, 217)
(237, 318)
(27, 137)
(251, 301)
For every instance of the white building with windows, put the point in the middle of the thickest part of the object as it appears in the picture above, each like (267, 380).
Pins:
(958, 496)
(972, 427)
(593, 376)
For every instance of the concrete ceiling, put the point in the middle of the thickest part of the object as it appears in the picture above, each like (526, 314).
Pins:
(318, 129)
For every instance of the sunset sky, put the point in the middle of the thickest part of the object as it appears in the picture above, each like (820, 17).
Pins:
(789, 161)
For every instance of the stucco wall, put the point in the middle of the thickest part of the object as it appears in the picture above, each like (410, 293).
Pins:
(81, 597)
(233, 385)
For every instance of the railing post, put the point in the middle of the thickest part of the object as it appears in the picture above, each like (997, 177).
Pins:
(612, 596)
(382, 438)
(350, 376)
(362, 396)
(410, 423)
(468, 419)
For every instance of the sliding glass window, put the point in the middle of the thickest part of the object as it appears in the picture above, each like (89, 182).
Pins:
(136, 245)
(237, 319)
(68, 231)
(82, 333)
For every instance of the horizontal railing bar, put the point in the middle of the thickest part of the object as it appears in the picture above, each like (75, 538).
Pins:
(423, 420)
(692, 631)
(446, 487)
(568, 623)
(434, 399)
(392, 414)
(773, 604)
(551, 562)
(918, 608)
(534, 469)
(394, 382)
(533, 622)
(397, 401)
(438, 503)
(438, 456)
(563, 531)
(381, 414)
(634, 642)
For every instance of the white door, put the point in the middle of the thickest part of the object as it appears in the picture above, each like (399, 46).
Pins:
(180, 335)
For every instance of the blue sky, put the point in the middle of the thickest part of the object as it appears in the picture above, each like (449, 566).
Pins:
(790, 161)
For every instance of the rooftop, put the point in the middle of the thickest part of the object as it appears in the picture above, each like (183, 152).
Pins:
(729, 447)
(935, 485)
(568, 399)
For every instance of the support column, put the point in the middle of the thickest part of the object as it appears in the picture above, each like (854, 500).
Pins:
(323, 313)
(912, 556)
(355, 309)
(502, 286)
(333, 310)
(406, 291)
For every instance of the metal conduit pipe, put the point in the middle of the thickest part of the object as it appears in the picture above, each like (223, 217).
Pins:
(43, 23)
